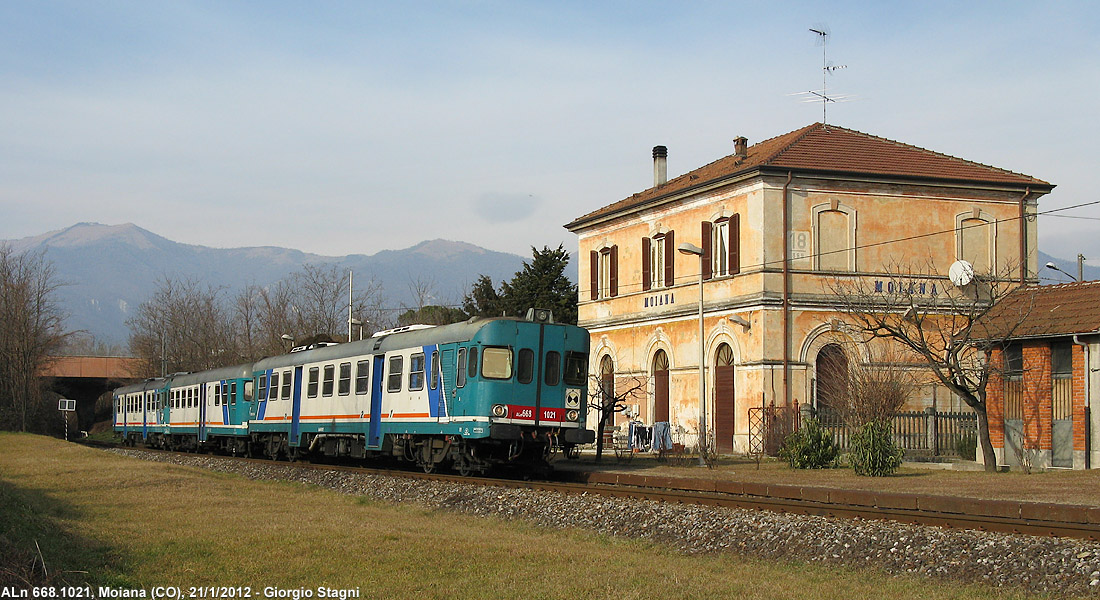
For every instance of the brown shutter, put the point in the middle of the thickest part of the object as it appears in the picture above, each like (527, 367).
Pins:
(614, 275)
(670, 259)
(647, 278)
(735, 244)
(707, 251)
(594, 276)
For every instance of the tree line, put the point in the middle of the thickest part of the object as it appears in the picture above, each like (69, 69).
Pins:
(188, 326)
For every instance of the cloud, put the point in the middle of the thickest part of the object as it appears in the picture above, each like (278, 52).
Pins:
(496, 207)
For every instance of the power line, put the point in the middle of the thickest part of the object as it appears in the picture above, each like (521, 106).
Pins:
(892, 241)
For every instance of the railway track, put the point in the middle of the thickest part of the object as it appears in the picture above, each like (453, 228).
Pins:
(1039, 519)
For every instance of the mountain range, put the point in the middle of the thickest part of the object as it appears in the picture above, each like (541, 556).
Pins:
(109, 270)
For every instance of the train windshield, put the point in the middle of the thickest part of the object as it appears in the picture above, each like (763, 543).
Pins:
(496, 363)
(576, 368)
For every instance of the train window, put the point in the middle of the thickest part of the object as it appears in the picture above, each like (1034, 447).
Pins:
(248, 391)
(471, 367)
(393, 384)
(330, 375)
(416, 371)
(435, 370)
(461, 368)
(576, 368)
(552, 371)
(286, 385)
(263, 387)
(233, 392)
(311, 388)
(496, 363)
(362, 377)
(274, 395)
(345, 379)
(525, 365)
(217, 394)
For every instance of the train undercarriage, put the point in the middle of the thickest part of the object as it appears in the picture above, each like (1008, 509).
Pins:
(526, 450)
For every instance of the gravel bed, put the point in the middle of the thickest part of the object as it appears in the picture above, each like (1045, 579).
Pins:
(1038, 564)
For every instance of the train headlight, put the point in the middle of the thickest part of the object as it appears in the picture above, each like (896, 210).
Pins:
(499, 410)
(572, 415)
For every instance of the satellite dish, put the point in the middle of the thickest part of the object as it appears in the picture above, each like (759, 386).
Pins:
(961, 273)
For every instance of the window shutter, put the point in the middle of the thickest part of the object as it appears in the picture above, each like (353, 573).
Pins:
(707, 249)
(614, 275)
(594, 276)
(735, 244)
(670, 259)
(647, 278)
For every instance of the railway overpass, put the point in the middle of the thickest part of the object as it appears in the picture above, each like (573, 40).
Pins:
(86, 378)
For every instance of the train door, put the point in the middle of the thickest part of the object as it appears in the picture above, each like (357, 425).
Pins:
(548, 371)
(437, 391)
(296, 407)
(447, 374)
(146, 401)
(375, 429)
(202, 412)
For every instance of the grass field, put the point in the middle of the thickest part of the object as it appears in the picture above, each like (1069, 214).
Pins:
(109, 520)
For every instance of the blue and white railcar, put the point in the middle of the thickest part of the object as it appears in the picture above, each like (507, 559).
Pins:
(209, 409)
(138, 410)
(470, 394)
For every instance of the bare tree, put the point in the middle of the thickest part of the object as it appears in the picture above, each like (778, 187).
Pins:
(31, 331)
(183, 327)
(611, 399)
(938, 322)
(874, 384)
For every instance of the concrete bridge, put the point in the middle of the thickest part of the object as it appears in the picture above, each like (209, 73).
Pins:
(86, 378)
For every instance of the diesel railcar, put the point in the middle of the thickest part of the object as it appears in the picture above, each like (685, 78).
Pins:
(468, 395)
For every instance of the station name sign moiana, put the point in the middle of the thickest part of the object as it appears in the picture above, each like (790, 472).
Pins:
(912, 288)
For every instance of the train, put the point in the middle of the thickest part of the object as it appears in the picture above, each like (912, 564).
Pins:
(469, 396)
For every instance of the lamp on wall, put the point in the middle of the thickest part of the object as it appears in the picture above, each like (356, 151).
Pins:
(687, 248)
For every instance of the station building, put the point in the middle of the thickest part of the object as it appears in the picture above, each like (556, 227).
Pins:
(776, 223)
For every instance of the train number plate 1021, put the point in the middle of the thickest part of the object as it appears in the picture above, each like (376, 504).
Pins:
(527, 413)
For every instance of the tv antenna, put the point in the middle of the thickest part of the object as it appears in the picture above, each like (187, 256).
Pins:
(827, 68)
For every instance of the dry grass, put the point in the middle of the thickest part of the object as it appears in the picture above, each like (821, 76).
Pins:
(130, 522)
(1058, 486)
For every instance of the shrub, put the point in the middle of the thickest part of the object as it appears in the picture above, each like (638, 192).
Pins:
(873, 451)
(967, 444)
(811, 447)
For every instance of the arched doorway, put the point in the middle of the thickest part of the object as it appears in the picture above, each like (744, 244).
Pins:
(832, 377)
(660, 387)
(724, 402)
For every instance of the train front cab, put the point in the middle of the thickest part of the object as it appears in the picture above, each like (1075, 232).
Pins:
(529, 379)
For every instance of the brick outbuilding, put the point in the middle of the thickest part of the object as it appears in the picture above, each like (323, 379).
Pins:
(1040, 393)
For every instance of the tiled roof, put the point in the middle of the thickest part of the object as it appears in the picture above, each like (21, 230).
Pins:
(823, 149)
(1044, 311)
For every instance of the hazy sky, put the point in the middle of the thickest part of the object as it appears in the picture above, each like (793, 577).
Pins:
(352, 127)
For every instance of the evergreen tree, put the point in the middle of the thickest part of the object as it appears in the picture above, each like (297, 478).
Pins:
(542, 284)
(483, 299)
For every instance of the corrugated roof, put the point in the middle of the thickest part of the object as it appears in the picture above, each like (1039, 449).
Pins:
(1044, 311)
(820, 148)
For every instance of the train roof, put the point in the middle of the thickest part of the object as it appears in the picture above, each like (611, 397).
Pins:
(442, 334)
(233, 372)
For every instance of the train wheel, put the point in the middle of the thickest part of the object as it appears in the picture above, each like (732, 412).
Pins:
(571, 452)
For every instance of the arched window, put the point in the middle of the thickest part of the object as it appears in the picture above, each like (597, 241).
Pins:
(607, 380)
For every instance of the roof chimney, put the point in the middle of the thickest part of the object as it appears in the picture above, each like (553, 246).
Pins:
(660, 165)
(740, 147)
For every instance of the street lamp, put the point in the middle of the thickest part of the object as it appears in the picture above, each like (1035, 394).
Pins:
(1053, 266)
(687, 248)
